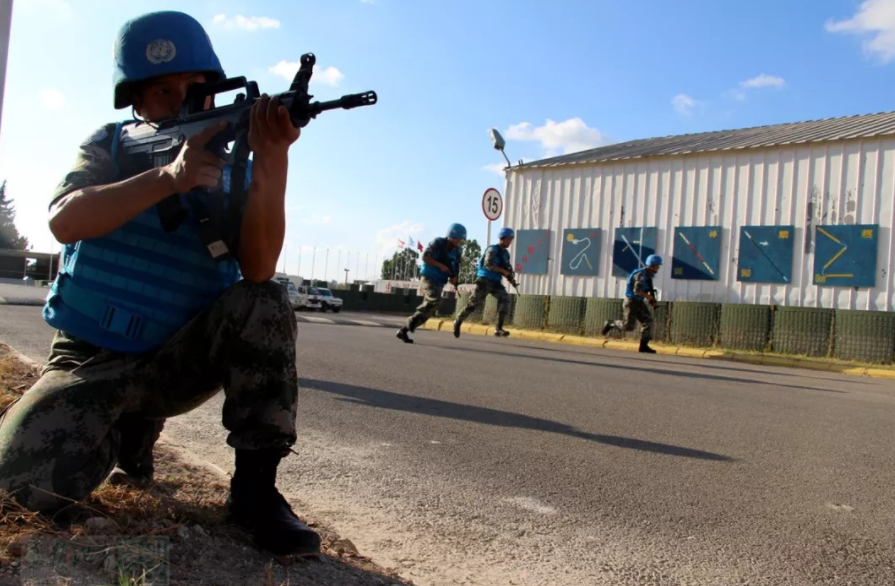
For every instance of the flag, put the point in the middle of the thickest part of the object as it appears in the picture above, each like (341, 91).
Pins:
(419, 245)
(410, 243)
(400, 243)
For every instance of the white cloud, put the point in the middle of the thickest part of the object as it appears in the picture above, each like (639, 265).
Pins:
(495, 168)
(874, 19)
(287, 70)
(387, 238)
(565, 137)
(763, 80)
(51, 99)
(329, 76)
(317, 219)
(248, 23)
(683, 104)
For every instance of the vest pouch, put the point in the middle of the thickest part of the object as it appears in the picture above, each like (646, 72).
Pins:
(121, 321)
(101, 322)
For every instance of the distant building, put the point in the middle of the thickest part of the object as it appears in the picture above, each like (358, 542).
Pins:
(794, 214)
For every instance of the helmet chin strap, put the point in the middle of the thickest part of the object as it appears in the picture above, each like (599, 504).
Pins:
(139, 119)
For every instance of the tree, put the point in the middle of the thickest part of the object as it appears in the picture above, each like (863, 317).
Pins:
(401, 266)
(469, 264)
(9, 236)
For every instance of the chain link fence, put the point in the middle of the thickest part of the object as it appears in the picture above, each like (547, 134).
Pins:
(745, 327)
(565, 314)
(864, 335)
(695, 323)
(804, 331)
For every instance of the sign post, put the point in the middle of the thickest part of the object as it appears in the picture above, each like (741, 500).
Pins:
(492, 206)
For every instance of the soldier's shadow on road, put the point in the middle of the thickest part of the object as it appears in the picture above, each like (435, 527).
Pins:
(678, 373)
(447, 409)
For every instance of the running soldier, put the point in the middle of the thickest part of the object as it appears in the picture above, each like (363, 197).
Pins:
(493, 267)
(441, 263)
(638, 293)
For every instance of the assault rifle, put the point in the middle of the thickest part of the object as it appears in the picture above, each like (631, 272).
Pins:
(655, 295)
(145, 145)
(512, 281)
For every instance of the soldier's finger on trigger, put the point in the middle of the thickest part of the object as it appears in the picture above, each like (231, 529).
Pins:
(260, 114)
(272, 106)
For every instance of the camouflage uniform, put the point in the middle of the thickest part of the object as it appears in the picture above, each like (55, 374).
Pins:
(93, 408)
(635, 309)
(485, 287)
(431, 300)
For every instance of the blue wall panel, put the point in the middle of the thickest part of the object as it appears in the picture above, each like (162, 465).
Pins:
(845, 255)
(581, 252)
(697, 253)
(766, 254)
(532, 251)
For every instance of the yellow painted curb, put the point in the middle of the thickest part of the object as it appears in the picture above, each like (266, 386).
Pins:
(582, 341)
(777, 361)
(478, 329)
(881, 373)
(690, 352)
(616, 345)
(525, 335)
(756, 359)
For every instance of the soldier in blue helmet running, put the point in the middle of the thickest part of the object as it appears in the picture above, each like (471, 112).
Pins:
(638, 293)
(149, 325)
(494, 266)
(441, 263)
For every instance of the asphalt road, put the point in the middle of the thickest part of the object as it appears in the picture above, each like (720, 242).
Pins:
(486, 461)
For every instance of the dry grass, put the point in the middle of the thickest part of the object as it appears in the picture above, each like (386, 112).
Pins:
(184, 510)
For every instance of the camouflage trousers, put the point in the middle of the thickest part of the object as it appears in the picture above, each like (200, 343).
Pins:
(64, 435)
(636, 311)
(483, 288)
(432, 299)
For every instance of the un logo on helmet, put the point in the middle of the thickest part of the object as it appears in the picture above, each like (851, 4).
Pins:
(160, 51)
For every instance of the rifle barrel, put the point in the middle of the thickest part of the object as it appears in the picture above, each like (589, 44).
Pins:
(346, 102)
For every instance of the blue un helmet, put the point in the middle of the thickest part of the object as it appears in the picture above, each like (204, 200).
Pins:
(457, 231)
(161, 43)
(506, 233)
(654, 260)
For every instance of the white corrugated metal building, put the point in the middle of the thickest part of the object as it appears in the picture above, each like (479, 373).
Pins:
(827, 172)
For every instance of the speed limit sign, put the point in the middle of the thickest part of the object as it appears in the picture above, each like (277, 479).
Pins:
(492, 204)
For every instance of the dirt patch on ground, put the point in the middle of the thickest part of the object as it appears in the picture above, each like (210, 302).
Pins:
(173, 532)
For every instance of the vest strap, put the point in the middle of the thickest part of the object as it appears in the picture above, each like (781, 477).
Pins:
(111, 317)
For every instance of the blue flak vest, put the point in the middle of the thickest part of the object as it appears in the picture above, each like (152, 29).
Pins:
(629, 291)
(502, 260)
(450, 258)
(132, 289)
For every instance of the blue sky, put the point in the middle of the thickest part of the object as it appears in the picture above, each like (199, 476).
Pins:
(552, 77)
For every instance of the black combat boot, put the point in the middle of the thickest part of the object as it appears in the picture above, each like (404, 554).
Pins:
(403, 335)
(256, 504)
(644, 347)
(607, 327)
(457, 324)
(138, 437)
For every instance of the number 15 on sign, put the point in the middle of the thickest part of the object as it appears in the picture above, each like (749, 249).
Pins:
(492, 206)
